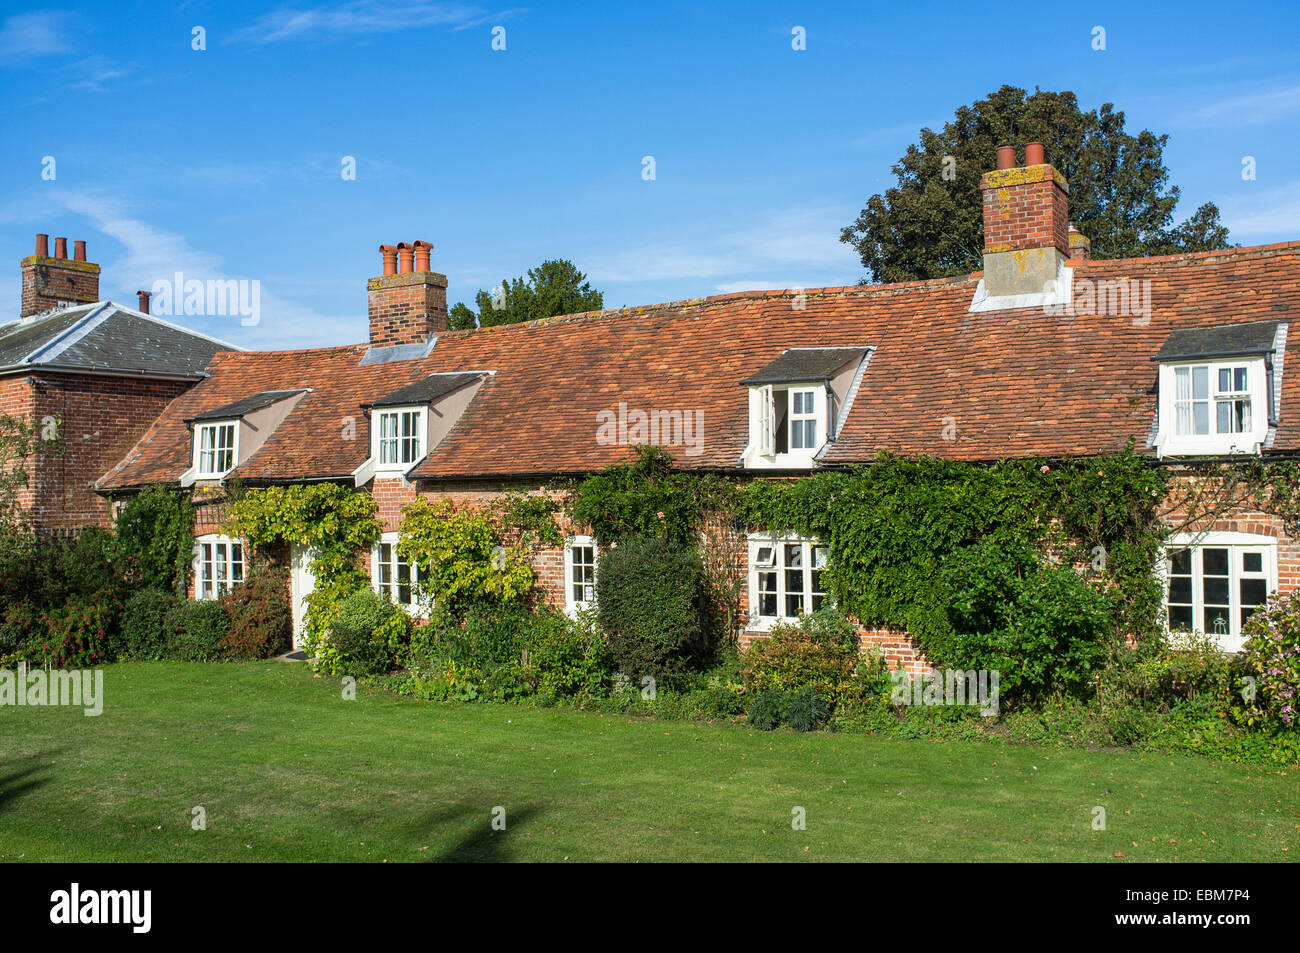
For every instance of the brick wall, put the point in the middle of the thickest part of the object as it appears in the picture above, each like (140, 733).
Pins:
(100, 420)
(48, 281)
(1025, 208)
(407, 308)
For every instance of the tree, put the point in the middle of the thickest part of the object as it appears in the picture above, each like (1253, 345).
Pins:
(930, 224)
(554, 287)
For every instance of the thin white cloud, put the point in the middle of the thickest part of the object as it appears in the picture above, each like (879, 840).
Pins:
(360, 17)
(1267, 105)
(1268, 214)
(787, 242)
(153, 254)
(27, 36)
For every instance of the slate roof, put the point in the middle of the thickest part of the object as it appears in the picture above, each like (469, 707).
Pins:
(246, 406)
(427, 390)
(806, 364)
(1222, 341)
(105, 337)
(1014, 383)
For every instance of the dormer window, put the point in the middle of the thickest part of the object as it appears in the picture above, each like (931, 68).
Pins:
(214, 448)
(226, 436)
(399, 437)
(798, 402)
(407, 424)
(1216, 390)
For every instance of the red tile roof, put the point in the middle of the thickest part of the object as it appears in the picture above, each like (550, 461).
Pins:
(1014, 383)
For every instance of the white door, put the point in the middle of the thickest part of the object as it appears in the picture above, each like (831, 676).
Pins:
(302, 581)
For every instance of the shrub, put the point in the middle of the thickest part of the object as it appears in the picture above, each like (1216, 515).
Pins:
(261, 618)
(650, 598)
(147, 625)
(367, 636)
(805, 710)
(815, 653)
(1043, 628)
(767, 710)
(567, 656)
(1272, 653)
(198, 630)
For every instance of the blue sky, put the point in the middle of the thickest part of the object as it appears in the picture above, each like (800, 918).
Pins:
(225, 163)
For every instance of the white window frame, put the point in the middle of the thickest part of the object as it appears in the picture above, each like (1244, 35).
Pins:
(413, 445)
(393, 587)
(1237, 544)
(1170, 442)
(215, 427)
(572, 604)
(762, 562)
(763, 402)
(220, 563)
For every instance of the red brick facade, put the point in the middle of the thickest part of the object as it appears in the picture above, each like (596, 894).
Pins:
(97, 419)
(1025, 208)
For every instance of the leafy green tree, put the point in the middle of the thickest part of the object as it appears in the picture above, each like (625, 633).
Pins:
(930, 224)
(554, 287)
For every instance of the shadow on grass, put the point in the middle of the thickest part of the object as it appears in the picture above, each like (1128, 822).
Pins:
(478, 842)
(22, 776)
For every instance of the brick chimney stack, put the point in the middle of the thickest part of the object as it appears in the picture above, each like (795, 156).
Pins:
(408, 302)
(53, 280)
(1026, 223)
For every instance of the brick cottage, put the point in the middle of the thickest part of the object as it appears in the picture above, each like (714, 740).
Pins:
(1045, 353)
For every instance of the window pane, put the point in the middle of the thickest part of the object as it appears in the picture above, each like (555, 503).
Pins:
(793, 603)
(1181, 562)
(1217, 621)
(1214, 562)
(1180, 618)
(1252, 562)
(1215, 590)
(793, 555)
(1254, 592)
(1180, 589)
(1224, 409)
(1200, 417)
(1200, 383)
(1225, 379)
(767, 593)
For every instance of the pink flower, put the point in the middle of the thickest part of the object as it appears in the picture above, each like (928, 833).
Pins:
(661, 514)
(1044, 469)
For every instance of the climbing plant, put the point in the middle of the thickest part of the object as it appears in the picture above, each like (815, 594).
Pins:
(155, 533)
(337, 524)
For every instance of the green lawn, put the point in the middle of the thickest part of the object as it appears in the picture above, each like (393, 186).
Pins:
(287, 770)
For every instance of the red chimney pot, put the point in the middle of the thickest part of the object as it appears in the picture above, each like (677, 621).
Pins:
(79, 250)
(1034, 153)
(422, 249)
(405, 258)
(43, 244)
(60, 248)
(1006, 157)
(144, 300)
(390, 258)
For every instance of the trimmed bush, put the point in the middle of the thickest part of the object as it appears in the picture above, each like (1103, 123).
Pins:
(650, 598)
(816, 654)
(367, 635)
(805, 710)
(261, 618)
(199, 629)
(147, 631)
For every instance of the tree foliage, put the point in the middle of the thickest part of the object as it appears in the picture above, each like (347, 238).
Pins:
(930, 223)
(553, 288)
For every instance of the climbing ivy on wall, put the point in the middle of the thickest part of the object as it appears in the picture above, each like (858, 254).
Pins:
(336, 523)
(894, 527)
